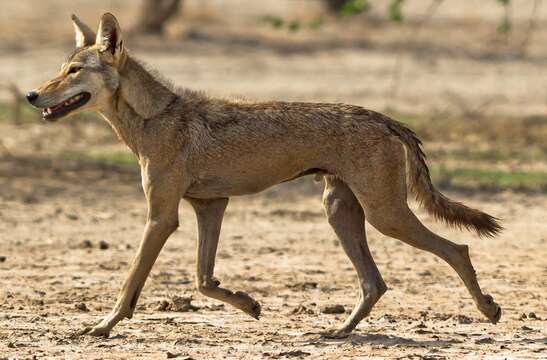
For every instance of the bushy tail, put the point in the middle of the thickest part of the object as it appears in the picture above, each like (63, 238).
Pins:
(452, 212)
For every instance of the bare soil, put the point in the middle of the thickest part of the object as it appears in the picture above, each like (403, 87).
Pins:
(277, 246)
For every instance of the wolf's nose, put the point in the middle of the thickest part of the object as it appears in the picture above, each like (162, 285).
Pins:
(31, 96)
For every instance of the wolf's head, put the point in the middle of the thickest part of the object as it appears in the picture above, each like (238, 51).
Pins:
(90, 76)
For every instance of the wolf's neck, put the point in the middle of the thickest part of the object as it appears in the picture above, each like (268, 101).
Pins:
(140, 97)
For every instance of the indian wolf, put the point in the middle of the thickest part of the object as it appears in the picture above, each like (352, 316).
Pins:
(205, 150)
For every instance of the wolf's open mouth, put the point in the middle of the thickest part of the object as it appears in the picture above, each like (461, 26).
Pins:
(60, 110)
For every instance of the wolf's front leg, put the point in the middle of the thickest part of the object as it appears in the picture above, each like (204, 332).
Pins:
(162, 221)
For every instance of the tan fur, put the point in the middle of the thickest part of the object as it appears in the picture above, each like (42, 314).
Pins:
(435, 203)
(205, 150)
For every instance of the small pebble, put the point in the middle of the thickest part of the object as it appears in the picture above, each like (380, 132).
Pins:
(182, 304)
(333, 309)
(30, 199)
(72, 216)
(103, 245)
(484, 340)
(82, 307)
(163, 305)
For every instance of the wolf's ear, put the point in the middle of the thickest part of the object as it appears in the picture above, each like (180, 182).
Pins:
(84, 35)
(109, 35)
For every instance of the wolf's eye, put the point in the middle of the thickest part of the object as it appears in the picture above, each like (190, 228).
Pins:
(74, 69)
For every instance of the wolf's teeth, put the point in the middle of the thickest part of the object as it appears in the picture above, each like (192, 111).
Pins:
(68, 102)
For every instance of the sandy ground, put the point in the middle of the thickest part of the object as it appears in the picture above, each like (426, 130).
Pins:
(56, 277)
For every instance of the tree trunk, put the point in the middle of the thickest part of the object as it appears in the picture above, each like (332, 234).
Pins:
(154, 14)
(335, 5)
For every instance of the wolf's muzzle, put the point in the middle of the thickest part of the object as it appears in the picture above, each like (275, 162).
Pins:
(31, 96)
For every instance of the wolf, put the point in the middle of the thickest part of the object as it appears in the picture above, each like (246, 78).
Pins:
(205, 150)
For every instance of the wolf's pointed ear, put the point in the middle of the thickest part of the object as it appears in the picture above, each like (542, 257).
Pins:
(109, 35)
(84, 35)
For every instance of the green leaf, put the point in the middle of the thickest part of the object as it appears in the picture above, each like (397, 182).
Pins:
(394, 11)
(505, 26)
(316, 23)
(354, 7)
(274, 21)
(294, 26)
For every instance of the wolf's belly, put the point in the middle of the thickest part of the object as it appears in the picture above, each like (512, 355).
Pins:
(214, 186)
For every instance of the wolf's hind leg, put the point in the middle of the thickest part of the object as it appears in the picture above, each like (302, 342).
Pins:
(346, 217)
(383, 195)
(209, 214)
(400, 223)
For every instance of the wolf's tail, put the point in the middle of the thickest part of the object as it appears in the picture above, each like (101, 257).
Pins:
(453, 213)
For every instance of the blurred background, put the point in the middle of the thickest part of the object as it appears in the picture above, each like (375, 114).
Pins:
(468, 76)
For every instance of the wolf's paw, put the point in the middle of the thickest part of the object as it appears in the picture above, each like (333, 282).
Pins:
(99, 331)
(336, 334)
(490, 309)
(250, 305)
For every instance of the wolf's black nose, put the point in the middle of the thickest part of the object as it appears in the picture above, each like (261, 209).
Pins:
(31, 96)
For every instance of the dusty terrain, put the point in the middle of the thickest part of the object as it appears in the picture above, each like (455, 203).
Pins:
(72, 211)
(277, 246)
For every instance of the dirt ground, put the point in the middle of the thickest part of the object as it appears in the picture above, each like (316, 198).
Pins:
(276, 246)
(69, 228)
